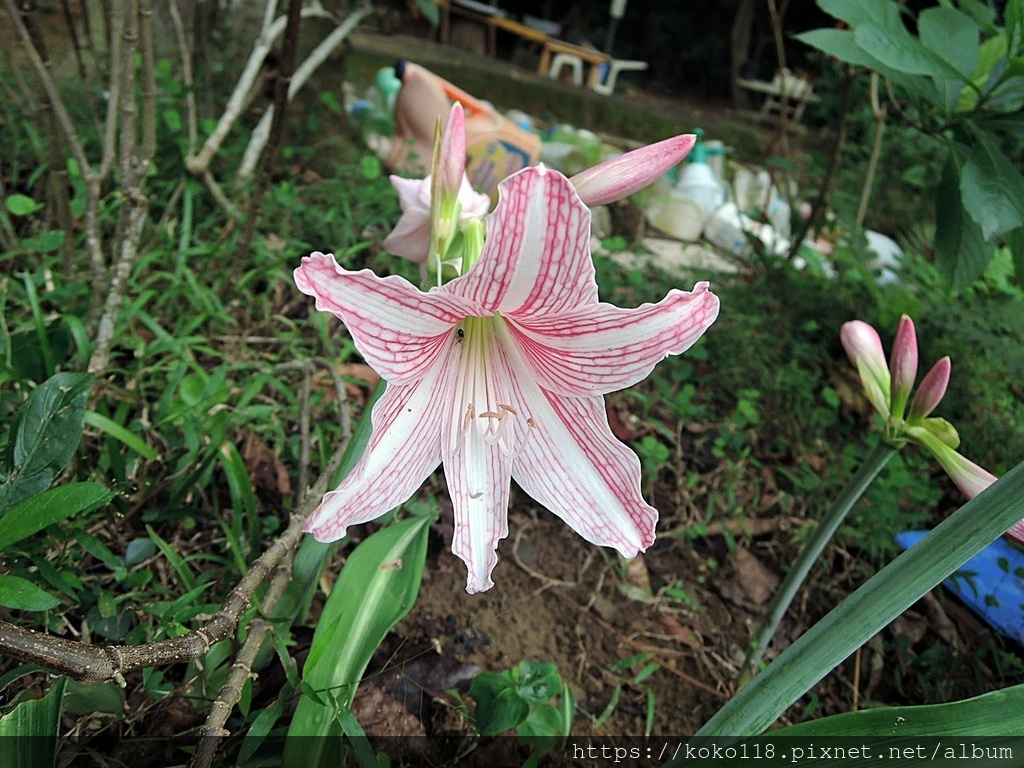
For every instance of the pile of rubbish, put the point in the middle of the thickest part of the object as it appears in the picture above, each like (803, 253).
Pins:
(692, 203)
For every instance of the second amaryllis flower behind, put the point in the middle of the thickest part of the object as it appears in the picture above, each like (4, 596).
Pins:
(499, 374)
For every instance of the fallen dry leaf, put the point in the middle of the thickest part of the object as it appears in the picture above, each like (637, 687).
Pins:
(685, 635)
(265, 467)
(757, 581)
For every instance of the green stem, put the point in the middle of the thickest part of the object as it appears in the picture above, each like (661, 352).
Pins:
(854, 489)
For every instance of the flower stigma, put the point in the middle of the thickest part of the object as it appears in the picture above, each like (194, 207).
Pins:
(481, 402)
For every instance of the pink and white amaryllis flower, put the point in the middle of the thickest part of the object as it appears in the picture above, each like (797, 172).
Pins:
(410, 238)
(499, 374)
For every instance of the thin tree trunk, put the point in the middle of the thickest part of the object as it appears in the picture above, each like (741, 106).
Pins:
(739, 48)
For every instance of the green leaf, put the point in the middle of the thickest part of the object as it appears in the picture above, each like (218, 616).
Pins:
(499, 708)
(857, 12)
(864, 613)
(1008, 96)
(542, 726)
(260, 729)
(38, 718)
(23, 595)
(119, 433)
(357, 737)
(538, 682)
(1015, 242)
(172, 119)
(895, 48)
(138, 551)
(990, 55)
(840, 44)
(21, 205)
(46, 242)
(992, 714)
(82, 699)
(980, 11)
(961, 252)
(370, 167)
(180, 566)
(948, 33)
(331, 102)
(376, 588)
(992, 190)
(1014, 17)
(44, 436)
(49, 507)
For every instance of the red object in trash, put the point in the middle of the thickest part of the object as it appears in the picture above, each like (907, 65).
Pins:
(495, 146)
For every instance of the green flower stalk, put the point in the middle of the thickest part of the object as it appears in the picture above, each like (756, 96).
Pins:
(888, 387)
(935, 435)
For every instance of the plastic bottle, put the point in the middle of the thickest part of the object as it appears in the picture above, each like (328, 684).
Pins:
(374, 114)
(387, 85)
(697, 194)
(495, 146)
(716, 158)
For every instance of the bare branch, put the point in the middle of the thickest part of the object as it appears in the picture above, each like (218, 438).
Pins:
(230, 693)
(186, 76)
(148, 86)
(116, 23)
(236, 104)
(219, 197)
(118, 283)
(129, 111)
(316, 57)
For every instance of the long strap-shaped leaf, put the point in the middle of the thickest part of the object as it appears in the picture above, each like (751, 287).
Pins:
(884, 597)
(29, 732)
(999, 713)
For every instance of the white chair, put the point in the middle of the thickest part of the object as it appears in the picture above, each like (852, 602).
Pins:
(560, 60)
(614, 67)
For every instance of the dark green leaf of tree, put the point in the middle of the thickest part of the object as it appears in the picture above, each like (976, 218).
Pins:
(950, 34)
(992, 189)
(22, 595)
(895, 48)
(961, 252)
(44, 436)
(49, 507)
(857, 12)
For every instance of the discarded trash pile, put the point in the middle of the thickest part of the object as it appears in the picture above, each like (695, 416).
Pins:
(708, 199)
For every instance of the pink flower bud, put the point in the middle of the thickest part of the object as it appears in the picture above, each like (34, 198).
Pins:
(903, 366)
(452, 165)
(1017, 532)
(864, 348)
(931, 391)
(621, 176)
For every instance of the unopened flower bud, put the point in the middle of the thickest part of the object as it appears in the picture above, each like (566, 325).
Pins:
(864, 348)
(932, 390)
(902, 367)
